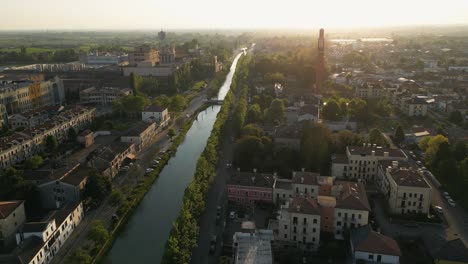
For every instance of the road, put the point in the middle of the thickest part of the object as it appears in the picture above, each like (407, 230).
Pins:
(105, 211)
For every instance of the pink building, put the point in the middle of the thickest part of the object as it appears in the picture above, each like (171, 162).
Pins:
(246, 188)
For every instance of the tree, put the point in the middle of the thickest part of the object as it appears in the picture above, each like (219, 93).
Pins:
(34, 162)
(116, 198)
(171, 133)
(252, 130)
(376, 137)
(456, 117)
(80, 256)
(433, 147)
(97, 186)
(178, 103)
(272, 78)
(51, 144)
(424, 143)
(98, 233)
(71, 134)
(399, 136)
(443, 152)
(162, 101)
(275, 111)
(460, 151)
(331, 111)
(254, 114)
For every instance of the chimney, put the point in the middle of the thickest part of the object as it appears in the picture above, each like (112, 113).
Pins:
(385, 154)
(302, 169)
(369, 145)
(238, 169)
(395, 164)
(275, 174)
(373, 153)
(294, 174)
(375, 145)
(298, 208)
(302, 179)
(364, 144)
(254, 170)
(253, 179)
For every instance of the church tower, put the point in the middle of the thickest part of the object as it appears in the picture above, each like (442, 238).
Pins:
(320, 70)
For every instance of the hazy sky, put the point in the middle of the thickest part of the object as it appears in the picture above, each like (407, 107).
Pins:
(215, 14)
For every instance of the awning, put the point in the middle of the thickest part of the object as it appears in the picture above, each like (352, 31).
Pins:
(131, 156)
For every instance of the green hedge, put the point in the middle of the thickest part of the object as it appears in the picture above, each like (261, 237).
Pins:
(184, 233)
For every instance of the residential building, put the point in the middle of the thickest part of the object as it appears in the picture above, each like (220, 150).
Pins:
(361, 162)
(415, 107)
(405, 189)
(282, 191)
(33, 117)
(370, 90)
(22, 145)
(157, 114)
(103, 96)
(247, 188)
(167, 55)
(308, 113)
(352, 207)
(144, 56)
(12, 216)
(86, 138)
(253, 246)
(371, 247)
(24, 95)
(299, 222)
(141, 134)
(60, 186)
(452, 252)
(109, 159)
(39, 242)
(103, 58)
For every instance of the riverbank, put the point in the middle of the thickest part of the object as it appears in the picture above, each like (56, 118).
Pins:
(184, 234)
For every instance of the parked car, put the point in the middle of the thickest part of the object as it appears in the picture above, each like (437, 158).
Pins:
(438, 209)
(125, 168)
(218, 214)
(446, 195)
(213, 244)
(148, 170)
(232, 215)
(228, 165)
(451, 202)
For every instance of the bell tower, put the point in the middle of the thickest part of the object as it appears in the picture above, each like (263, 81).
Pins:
(320, 70)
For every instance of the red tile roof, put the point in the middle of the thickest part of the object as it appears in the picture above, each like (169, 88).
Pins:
(6, 208)
(366, 240)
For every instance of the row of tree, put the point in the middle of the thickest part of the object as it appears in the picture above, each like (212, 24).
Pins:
(184, 234)
(61, 55)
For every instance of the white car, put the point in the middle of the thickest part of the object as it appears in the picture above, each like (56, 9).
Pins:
(438, 209)
(148, 170)
(451, 202)
(232, 215)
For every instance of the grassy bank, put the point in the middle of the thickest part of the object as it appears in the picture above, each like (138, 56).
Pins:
(185, 230)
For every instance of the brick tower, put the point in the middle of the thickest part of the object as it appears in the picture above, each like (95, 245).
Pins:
(320, 70)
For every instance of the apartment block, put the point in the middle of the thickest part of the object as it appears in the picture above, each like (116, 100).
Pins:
(12, 216)
(404, 188)
(103, 96)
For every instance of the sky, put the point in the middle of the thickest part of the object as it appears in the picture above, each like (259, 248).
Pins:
(223, 14)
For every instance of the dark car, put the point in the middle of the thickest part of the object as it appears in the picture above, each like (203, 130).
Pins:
(213, 244)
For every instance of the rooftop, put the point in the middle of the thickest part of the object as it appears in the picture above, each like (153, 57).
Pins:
(252, 179)
(8, 207)
(366, 240)
(304, 205)
(154, 108)
(408, 177)
(253, 248)
(453, 250)
(305, 177)
(35, 227)
(340, 159)
(379, 151)
(138, 128)
(351, 195)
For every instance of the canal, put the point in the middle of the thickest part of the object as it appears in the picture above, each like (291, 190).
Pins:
(144, 237)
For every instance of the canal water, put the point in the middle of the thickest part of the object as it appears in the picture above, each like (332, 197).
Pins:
(144, 237)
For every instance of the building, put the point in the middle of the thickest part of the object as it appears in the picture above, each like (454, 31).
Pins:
(144, 56)
(370, 90)
(452, 252)
(103, 96)
(86, 138)
(288, 137)
(369, 246)
(141, 134)
(12, 216)
(39, 242)
(24, 95)
(415, 107)
(157, 114)
(253, 246)
(361, 162)
(308, 113)
(247, 188)
(167, 54)
(352, 207)
(299, 222)
(109, 159)
(103, 58)
(404, 188)
(62, 186)
(22, 145)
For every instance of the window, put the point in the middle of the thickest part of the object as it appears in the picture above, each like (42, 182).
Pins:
(314, 230)
(285, 235)
(295, 220)
(379, 258)
(313, 239)
(315, 221)
(286, 227)
(359, 216)
(371, 256)
(338, 223)
(339, 214)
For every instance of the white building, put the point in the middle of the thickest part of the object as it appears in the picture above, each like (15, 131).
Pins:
(39, 242)
(156, 113)
(253, 247)
(12, 216)
(361, 162)
(404, 188)
(103, 58)
(103, 96)
(372, 247)
(299, 222)
(141, 134)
